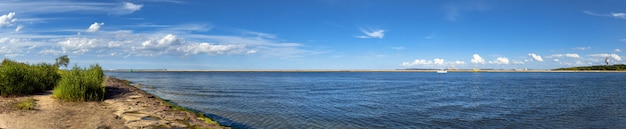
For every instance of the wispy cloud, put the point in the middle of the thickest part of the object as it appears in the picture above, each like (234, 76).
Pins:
(618, 50)
(258, 34)
(7, 19)
(142, 45)
(535, 57)
(95, 27)
(48, 7)
(372, 33)
(125, 43)
(500, 60)
(453, 11)
(127, 8)
(570, 55)
(397, 48)
(593, 13)
(168, 1)
(434, 62)
(614, 56)
(178, 29)
(612, 14)
(581, 48)
(18, 28)
(619, 15)
(430, 36)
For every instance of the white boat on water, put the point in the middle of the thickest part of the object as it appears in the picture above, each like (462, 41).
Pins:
(442, 71)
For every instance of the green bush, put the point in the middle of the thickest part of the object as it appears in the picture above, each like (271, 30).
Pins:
(21, 79)
(81, 84)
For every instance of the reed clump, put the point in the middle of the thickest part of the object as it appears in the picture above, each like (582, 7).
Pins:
(22, 79)
(80, 84)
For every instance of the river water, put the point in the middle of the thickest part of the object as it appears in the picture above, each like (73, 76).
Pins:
(395, 99)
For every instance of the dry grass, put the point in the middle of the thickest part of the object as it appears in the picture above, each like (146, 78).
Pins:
(28, 104)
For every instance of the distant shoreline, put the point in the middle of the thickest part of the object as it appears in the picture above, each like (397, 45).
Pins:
(399, 70)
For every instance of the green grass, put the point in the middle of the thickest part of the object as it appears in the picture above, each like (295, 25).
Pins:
(22, 79)
(79, 84)
(28, 104)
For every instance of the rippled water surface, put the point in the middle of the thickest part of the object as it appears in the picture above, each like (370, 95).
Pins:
(396, 100)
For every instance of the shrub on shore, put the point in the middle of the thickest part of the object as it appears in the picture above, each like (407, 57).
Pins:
(81, 84)
(21, 79)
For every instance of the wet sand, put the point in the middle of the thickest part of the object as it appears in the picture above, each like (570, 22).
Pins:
(125, 106)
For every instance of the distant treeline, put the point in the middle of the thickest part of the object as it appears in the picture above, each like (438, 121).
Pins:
(616, 67)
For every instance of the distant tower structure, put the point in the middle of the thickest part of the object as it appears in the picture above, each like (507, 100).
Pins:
(606, 60)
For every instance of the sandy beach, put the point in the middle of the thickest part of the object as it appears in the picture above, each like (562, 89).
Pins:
(125, 106)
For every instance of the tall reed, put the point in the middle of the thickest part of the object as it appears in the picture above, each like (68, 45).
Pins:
(21, 79)
(81, 84)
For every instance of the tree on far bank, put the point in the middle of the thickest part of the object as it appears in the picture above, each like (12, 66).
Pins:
(62, 61)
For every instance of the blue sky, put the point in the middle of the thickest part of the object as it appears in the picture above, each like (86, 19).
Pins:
(315, 34)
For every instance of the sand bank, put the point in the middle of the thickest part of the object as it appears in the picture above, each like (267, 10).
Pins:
(125, 106)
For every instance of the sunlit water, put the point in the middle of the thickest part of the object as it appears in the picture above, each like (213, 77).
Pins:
(396, 100)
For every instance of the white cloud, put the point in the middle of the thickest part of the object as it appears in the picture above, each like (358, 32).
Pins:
(130, 7)
(10, 40)
(166, 41)
(571, 55)
(500, 60)
(417, 62)
(7, 19)
(438, 61)
(476, 59)
(617, 50)
(263, 46)
(372, 33)
(18, 28)
(535, 57)
(95, 27)
(434, 62)
(162, 41)
(556, 60)
(458, 62)
(517, 62)
(80, 45)
(619, 15)
(211, 49)
(614, 56)
(151, 46)
(11, 51)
